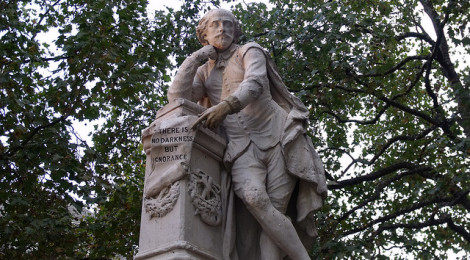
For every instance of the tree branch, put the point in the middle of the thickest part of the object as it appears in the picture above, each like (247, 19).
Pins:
(50, 59)
(402, 138)
(397, 214)
(420, 36)
(462, 92)
(458, 229)
(13, 150)
(43, 16)
(376, 195)
(391, 102)
(431, 222)
(396, 67)
(418, 225)
(409, 110)
(361, 122)
(412, 84)
(377, 174)
(354, 160)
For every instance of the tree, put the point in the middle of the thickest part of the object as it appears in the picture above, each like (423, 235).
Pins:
(107, 61)
(389, 116)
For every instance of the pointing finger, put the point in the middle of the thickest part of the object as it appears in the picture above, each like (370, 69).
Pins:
(201, 118)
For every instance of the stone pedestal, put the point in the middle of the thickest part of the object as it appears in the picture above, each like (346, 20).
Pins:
(183, 193)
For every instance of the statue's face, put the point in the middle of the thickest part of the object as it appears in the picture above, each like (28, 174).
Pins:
(219, 32)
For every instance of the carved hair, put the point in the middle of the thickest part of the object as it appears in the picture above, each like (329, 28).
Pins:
(202, 26)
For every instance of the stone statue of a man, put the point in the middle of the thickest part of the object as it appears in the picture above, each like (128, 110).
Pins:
(268, 152)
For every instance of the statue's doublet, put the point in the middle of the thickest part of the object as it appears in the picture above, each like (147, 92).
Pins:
(244, 75)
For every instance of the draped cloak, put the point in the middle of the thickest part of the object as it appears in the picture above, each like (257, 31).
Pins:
(302, 161)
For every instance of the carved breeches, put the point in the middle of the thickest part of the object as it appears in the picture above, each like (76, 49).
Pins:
(259, 177)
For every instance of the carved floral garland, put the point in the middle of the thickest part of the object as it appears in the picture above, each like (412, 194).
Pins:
(159, 205)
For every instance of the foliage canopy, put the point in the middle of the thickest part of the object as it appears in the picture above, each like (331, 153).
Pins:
(389, 104)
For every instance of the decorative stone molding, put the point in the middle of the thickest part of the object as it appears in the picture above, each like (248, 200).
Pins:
(159, 205)
(205, 196)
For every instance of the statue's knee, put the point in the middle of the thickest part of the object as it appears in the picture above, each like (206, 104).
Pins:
(255, 198)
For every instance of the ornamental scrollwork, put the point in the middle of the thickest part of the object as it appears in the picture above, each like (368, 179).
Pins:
(205, 196)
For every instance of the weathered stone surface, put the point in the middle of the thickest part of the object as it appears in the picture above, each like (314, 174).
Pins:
(181, 217)
(268, 154)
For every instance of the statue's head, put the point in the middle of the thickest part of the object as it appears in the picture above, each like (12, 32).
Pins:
(219, 28)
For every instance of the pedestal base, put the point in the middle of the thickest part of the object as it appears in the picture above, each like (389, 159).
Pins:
(179, 250)
(183, 206)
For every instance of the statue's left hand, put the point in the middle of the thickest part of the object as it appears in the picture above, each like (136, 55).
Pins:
(213, 116)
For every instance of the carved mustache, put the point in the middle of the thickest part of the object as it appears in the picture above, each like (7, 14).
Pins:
(221, 35)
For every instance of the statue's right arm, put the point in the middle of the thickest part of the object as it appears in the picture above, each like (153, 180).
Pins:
(186, 84)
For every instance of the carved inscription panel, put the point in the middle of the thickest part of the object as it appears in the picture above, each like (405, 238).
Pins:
(171, 142)
(170, 153)
(170, 139)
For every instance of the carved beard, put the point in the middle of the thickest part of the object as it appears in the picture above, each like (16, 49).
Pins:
(222, 41)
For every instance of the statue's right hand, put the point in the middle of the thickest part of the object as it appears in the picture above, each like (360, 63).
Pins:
(206, 52)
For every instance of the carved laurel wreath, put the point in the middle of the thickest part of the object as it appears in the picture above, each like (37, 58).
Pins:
(205, 196)
(162, 203)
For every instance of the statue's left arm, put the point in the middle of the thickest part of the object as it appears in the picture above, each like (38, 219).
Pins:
(255, 81)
